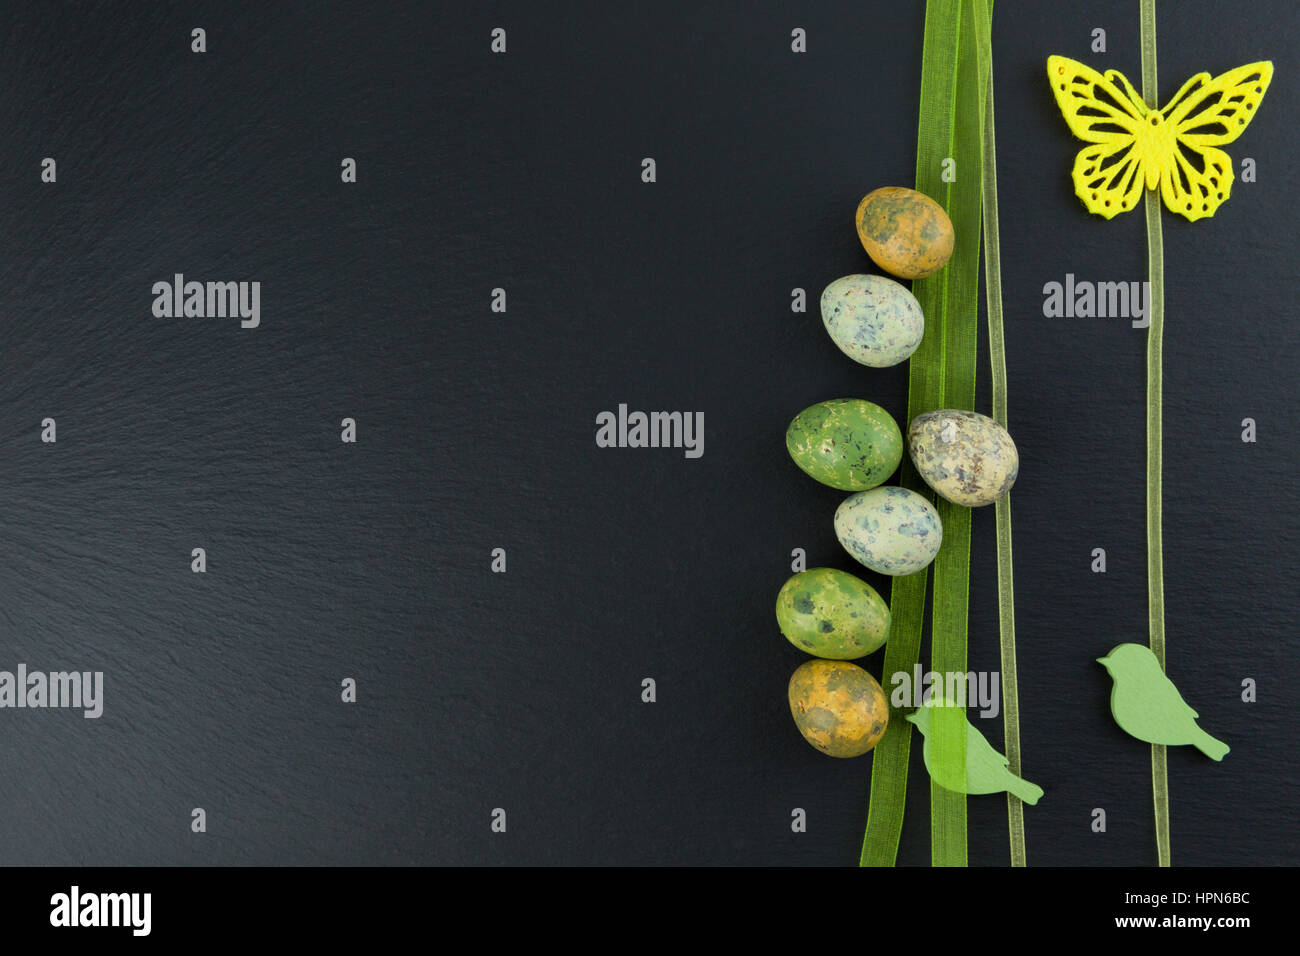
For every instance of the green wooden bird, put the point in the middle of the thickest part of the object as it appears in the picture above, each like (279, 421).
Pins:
(986, 769)
(1147, 705)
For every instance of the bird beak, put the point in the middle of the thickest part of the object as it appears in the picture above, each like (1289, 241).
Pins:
(1103, 660)
(910, 718)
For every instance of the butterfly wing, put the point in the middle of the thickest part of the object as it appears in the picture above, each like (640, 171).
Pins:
(1108, 178)
(1208, 112)
(1105, 112)
(1196, 188)
(1215, 111)
(1097, 109)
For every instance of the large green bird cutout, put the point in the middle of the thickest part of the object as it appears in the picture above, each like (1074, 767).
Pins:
(986, 769)
(1147, 705)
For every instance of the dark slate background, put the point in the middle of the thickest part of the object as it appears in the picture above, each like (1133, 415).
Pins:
(522, 690)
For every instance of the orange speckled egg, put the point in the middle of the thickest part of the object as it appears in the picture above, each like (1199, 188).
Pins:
(838, 707)
(905, 232)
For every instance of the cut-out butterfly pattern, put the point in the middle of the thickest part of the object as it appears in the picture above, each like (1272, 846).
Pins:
(1132, 147)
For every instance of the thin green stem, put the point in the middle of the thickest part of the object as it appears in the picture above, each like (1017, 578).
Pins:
(1002, 508)
(1155, 387)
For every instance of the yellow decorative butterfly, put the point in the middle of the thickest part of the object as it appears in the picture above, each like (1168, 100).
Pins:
(1134, 146)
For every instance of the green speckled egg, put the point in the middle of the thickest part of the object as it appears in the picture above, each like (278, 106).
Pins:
(875, 321)
(905, 232)
(847, 443)
(966, 457)
(891, 530)
(832, 614)
(838, 707)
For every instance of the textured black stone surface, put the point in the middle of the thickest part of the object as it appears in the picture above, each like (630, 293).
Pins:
(476, 431)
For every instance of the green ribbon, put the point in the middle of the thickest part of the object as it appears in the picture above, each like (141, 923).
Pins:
(1002, 507)
(954, 82)
(903, 650)
(1155, 387)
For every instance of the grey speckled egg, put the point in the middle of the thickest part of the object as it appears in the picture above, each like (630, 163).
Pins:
(966, 457)
(875, 321)
(891, 530)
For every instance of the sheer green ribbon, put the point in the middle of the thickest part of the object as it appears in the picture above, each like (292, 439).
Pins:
(1155, 387)
(949, 159)
(1002, 507)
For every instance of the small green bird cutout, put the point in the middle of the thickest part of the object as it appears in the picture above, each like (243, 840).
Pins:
(986, 769)
(1147, 705)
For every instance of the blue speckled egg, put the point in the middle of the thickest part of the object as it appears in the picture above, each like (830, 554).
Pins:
(890, 530)
(875, 321)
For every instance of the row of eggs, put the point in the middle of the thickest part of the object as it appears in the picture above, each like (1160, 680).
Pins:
(855, 445)
(852, 444)
(874, 320)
